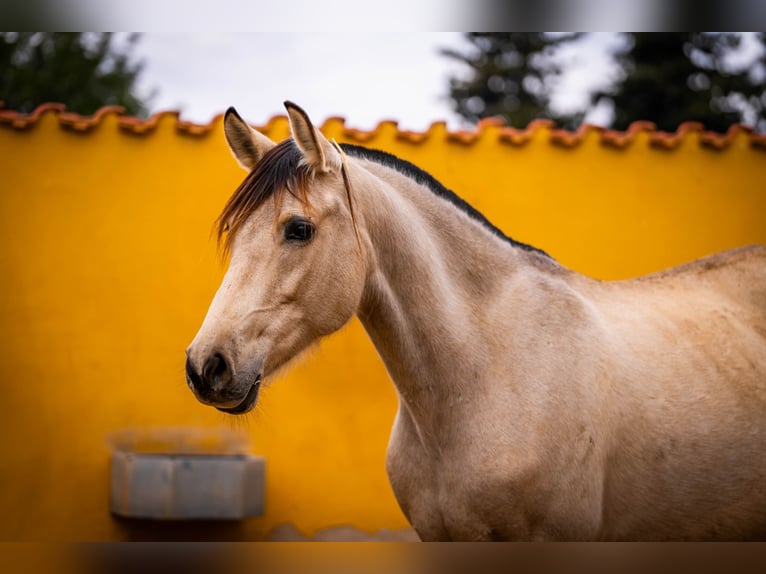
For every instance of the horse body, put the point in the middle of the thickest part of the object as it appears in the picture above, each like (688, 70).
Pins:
(578, 407)
(534, 402)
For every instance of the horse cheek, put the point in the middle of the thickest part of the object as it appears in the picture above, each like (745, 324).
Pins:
(335, 302)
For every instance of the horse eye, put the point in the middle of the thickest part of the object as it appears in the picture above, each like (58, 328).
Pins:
(299, 229)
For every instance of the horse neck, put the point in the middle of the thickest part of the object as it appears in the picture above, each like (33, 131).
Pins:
(433, 277)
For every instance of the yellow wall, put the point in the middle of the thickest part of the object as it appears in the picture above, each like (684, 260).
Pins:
(108, 268)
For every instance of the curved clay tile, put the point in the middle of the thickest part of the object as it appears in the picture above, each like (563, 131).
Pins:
(621, 140)
(758, 141)
(722, 141)
(23, 121)
(189, 128)
(365, 136)
(519, 137)
(417, 138)
(490, 122)
(668, 140)
(565, 138)
(80, 123)
(504, 134)
(413, 137)
(138, 126)
(468, 137)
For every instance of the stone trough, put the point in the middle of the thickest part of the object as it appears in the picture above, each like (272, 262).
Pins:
(185, 474)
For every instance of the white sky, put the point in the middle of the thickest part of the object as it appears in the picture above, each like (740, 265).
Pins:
(363, 77)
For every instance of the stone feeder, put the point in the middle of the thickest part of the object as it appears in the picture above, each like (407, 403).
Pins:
(185, 474)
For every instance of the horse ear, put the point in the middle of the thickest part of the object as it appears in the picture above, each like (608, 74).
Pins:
(317, 151)
(247, 144)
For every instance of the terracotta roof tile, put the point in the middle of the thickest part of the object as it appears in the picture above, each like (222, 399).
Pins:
(520, 137)
(362, 136)
(412, 137)
(622, 140)
(494, 126)
(138, 126)
(23, 121)
(80, 123)
(665, 140)
(566, 138)
(758, 141)
(722, 141)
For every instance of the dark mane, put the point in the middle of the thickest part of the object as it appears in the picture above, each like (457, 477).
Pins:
(281, 170)
(426, 179)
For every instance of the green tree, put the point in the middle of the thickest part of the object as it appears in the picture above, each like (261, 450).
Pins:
(507, 75)
(675, 77)
(82, 70)
(667, 78)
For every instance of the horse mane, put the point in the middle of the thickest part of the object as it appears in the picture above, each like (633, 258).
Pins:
(430, 182)
(281, 169)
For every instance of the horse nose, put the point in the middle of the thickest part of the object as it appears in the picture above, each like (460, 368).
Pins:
(216, 374)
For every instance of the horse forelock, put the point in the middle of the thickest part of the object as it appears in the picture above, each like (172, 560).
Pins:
(280, 170)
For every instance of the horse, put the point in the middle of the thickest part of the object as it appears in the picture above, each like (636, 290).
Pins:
(534, 403)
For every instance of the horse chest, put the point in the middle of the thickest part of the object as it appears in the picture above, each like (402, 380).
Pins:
(440, 498)
(444, 501)
(457, 493)
(415, 480)
(419, 489)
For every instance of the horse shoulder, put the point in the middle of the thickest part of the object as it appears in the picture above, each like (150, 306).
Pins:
(532, 467)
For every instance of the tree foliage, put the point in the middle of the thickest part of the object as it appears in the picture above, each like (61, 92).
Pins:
(667, 78)
(675, 77)
(85, 71)
(507, 76)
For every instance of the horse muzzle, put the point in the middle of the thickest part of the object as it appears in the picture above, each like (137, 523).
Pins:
(219, 386)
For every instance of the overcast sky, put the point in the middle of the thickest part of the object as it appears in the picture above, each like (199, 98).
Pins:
(364, 77)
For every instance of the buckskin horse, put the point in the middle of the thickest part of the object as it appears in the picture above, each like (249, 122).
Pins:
(534, 402)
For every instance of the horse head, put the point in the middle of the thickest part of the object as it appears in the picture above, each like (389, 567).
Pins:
(296, 265)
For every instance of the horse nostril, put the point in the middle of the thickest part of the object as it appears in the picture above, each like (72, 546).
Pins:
(193, 375)
(216, 372)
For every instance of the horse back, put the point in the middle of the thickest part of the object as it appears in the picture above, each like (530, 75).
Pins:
(688, 407)
(704, 321)
(737, 276)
